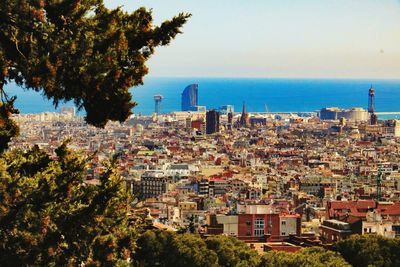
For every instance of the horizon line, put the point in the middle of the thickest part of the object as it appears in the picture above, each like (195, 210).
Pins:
(273, 78)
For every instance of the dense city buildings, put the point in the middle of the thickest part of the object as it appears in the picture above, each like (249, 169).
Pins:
(263, 178)
(306, 172)
(190, 98)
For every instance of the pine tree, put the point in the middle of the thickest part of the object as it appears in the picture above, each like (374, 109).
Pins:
(49, 216)
(77, 50)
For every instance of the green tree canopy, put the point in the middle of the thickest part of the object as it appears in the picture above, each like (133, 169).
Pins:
(49, 216)
(79, 50)
(232, 252)
(161, 248)
(308, 257)
(370, 250)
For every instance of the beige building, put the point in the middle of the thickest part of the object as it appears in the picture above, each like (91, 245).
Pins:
(230, 224)
(375, 224)
(352, 114)
(188, 205)
(288, 224)
(391, 128)
(194, 115)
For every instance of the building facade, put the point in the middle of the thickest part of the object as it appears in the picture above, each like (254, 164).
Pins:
(212, 122)
(352, 114)
(334, 230)
(190, 97)
(391, 128)
(153, 184)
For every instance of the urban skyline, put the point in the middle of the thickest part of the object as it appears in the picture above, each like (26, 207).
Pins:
(260, 172)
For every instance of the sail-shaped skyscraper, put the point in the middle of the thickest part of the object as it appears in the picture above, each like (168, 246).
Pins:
(190, 97)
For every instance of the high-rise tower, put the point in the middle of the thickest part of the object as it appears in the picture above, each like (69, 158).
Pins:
(212, 122)
(157, 101)
(371, 106)
(190, 97)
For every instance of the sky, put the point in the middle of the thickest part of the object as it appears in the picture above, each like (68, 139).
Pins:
(278, 38)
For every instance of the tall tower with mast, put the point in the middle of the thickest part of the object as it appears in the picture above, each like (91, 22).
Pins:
(157, 102)
(371, 106)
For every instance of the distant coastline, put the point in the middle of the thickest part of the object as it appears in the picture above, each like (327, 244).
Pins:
(260, 94)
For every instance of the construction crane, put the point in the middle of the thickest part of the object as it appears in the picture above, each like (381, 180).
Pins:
(269, 115)
(379, 184)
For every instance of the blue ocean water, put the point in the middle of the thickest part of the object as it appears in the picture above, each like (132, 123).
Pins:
(277, 94)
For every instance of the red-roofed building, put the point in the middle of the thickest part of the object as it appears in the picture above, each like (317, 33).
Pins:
(360, 208)
(357, 208)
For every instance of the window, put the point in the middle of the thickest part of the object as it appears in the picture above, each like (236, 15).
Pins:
(258, 232)
(283, 233)
(283, 223)
(259, 227)
(259, 223)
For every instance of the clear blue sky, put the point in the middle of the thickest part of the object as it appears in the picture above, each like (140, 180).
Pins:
(278, 38)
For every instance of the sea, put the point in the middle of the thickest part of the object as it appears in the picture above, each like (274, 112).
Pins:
(259, 95)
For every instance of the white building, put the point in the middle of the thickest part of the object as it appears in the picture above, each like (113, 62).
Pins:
(375, 224)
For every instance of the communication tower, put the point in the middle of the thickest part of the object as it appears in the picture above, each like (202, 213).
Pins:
(371, 106)
(371, 100)
(157, 101)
